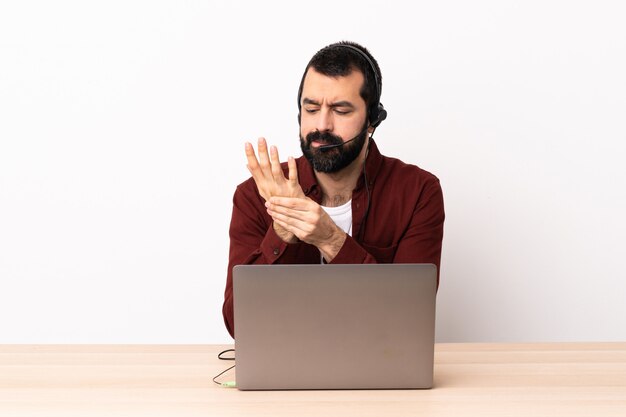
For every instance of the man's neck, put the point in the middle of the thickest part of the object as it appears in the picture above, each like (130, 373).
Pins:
(337, 186)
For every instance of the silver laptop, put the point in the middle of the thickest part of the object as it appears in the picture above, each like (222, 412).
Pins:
(334, 326)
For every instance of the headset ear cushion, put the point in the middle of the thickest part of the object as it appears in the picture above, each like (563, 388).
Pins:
(380, 116)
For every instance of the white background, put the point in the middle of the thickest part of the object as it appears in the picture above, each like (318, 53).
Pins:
(122, 126)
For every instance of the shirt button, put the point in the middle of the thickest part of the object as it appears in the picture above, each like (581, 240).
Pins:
(276, 251)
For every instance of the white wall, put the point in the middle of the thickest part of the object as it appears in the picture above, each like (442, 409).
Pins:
(122, 126)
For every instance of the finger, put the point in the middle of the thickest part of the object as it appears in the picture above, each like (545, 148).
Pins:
(293, 203)
(297, 227)
(277, 171)
(253, 164)
(293, 171)
(300, 230)
(287, 227)
(287, 214)
(264, 160)
(250, 155)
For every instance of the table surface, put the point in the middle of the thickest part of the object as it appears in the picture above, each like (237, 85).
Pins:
(562, 379)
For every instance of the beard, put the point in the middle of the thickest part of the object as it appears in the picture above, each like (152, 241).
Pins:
(333, 159)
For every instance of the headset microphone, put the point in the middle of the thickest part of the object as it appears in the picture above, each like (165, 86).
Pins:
(327, 147)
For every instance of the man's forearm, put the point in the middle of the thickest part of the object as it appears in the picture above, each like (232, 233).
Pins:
(331, 247)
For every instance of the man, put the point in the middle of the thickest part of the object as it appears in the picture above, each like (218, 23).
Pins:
(342, 202)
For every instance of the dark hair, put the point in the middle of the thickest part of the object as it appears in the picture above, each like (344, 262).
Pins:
(336, 60)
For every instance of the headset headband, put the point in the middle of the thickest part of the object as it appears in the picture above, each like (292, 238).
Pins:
(377, 112)
(369, 61)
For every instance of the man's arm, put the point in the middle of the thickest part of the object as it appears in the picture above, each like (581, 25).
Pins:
(307, 221)
(254, 237)
(420, 242)
(417, 227)
(254, 241)
(270, 179)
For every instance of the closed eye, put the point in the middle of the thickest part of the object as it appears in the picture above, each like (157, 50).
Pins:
(342, 107)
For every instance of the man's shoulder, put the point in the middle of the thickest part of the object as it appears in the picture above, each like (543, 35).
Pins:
(394, 168)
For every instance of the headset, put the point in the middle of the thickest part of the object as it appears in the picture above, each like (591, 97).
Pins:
(376, 113)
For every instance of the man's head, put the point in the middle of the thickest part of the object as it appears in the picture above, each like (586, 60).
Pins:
(338, 101)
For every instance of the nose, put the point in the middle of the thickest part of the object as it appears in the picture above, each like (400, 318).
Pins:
(324, 122)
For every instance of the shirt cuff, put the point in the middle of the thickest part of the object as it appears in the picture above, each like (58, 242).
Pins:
(350, 253)
(273, 247)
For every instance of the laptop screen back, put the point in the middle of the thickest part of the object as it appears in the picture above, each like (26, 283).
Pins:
(334, 326)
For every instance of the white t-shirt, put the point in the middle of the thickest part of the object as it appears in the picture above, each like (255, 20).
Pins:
(342, 216)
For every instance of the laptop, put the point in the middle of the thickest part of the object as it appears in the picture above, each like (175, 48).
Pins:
(360, 326)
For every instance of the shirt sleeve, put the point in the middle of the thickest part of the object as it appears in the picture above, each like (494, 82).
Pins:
(421, 239)
(254, 241)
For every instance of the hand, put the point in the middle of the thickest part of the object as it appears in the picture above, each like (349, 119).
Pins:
(268, 174)
(308, 221)
(270, 180)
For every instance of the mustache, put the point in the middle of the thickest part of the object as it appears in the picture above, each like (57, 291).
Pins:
(326, 138)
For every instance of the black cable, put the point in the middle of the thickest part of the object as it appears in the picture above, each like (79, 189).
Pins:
(367, 189)
(223, 384)
(219, 356)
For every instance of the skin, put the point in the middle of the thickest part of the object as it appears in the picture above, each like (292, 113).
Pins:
(330, 104)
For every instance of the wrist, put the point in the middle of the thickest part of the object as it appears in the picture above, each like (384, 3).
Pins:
(332, 246)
